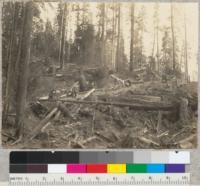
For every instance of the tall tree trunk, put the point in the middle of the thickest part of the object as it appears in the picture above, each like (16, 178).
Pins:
(69, 48)
(118, 38)
(69, 30)
(23, 77)
(46, 52)
(132, 37)
(10, 70)
(62, 52)
(17, 70)
(156, 32)
(60, 39)
(113, 37)
(77, 15)
(103, 34)
(157, 43)
(154, 40)
(186, 53)
(84, 9)
(173, 39)
(141, 41)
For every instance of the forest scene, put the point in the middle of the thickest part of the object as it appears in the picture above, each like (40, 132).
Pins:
(99, 75)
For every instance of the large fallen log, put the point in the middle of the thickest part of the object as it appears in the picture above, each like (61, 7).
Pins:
(147, 107)
(149, 98)
(131, 99)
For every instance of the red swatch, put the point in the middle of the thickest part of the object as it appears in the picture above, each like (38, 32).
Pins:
(96, 168)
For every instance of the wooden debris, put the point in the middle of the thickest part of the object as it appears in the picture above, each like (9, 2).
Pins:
(41, 124)
(117, 79)
(86, 95)
(103, 137)
(73, 90)
(17, 141)
(148, 98)
(76, 144)
(139, 70)
(178, 133)
(70, 135)
(38, 109)
(89, 140)
(75, 109)
(163, 134)
(126, 82)
(47, 125)
(148, 141)
(8, 136)
(44, 98)
(187, 145)
(153, 107)
(156, 75)
(65, 111)
(186, 140)
(57, 116)
(59, 75)
(137, 82)
(159, 123)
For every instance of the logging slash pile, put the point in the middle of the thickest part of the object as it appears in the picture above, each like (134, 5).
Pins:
(96, 108)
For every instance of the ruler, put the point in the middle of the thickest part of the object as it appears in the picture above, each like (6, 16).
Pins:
(182, 179)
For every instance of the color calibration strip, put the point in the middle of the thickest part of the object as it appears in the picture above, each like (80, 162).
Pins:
(96, 157)
(97, 168)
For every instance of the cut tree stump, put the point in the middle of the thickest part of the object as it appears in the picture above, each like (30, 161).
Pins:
(183, 112)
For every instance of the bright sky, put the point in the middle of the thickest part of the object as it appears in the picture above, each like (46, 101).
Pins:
(191, 14)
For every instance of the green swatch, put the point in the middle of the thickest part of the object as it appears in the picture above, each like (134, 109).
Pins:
(136, 168)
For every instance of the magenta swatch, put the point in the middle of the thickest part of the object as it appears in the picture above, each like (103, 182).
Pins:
(76, 168)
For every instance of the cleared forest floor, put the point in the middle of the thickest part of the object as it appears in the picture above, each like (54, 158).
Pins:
(116, 111)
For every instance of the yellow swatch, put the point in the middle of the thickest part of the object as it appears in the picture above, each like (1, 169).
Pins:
(116, 168)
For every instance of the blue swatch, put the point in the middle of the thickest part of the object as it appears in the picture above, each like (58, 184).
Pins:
(155, 168)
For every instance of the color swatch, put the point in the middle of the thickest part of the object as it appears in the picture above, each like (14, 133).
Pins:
(98, 168)
(104, 162)
(101, 157)
(136, 168)
(76, 168)
(116, 168)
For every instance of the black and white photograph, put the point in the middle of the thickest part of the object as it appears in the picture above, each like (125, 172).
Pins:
(99, 75)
